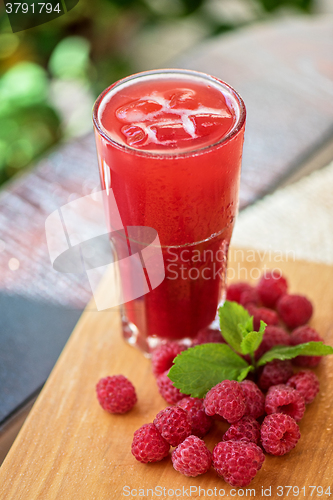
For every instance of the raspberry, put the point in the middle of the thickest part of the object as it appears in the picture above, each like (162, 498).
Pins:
(116, 394)
(148, 445)
(262, 313)
(284, 399)
(192, 457)
(246, 429)
(275, 372)
(235, 290)
(167, 390)
(249, 297)
(163, 356)
(237, 461)
(273, 335)
(279, 434)
(174, 425)
(306, 383)
(208, 336)
(271, 287)
(254, 399)
(200, 422)
(227, 400)
(302, 335)
(294, 310)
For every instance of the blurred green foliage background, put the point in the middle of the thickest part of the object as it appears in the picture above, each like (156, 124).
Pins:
(51, 74)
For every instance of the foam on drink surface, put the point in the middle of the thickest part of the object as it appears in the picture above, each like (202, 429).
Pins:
(168, 115)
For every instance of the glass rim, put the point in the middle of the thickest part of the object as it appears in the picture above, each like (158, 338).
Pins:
(170, 154)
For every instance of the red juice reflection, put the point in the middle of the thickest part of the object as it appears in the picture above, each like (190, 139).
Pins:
(170, 144)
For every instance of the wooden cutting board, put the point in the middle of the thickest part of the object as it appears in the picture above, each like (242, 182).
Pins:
(70, 449)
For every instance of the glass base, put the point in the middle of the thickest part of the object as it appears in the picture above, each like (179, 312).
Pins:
(147, 345)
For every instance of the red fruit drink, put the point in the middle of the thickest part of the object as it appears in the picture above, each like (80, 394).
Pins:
(172, 142)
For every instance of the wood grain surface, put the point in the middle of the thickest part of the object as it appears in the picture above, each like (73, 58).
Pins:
(69, 448)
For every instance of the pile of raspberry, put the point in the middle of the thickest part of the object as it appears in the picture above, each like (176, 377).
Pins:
(258, 423)
(263, 413)
(286, 316)
(270, 301)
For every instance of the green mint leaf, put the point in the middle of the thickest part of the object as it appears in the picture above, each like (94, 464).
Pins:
(247, 327)
(249, 343)
(199, 368)
(244, 373)
(286, 352)
(252, 341)
(235, 323)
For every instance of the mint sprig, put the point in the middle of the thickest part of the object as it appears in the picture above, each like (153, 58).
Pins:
(199, 368)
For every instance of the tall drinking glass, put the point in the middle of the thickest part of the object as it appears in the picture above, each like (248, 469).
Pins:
(169, 144)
